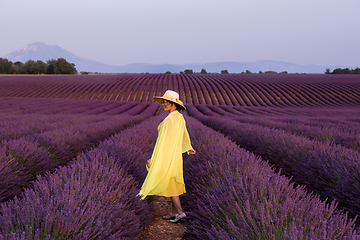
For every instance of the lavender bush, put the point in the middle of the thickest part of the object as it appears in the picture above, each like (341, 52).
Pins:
(232, 194)
(331, 171)
(343, 123)
(347, 136)
(121, 109)
(16, 126)
(138, 108)
(67, 142)
(222, 176)
(37, 152)
(133, 147)
(339, 128)
(220, 166)
(49, 106)
(129, 149)
(20, 162)
(107, 107)
(152, 110)
(92, 198)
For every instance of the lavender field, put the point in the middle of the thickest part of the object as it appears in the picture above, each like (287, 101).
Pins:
(277, 155)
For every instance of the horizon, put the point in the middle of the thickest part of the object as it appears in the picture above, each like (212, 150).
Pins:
(44, 52)
(189, 32)
(260, 60)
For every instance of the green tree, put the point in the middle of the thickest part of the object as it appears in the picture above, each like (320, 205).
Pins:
(5, 66)
(28, 67)
(203, 71)
(15, 69)
(32, 67)
(355, 71)
(61, 66)
(188, 71)
(346, 71)
(337, 71)
(50, 66)
(224, 71)
(40, 67)
(17, 66)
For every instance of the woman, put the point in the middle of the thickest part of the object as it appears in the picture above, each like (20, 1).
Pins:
(165, 167)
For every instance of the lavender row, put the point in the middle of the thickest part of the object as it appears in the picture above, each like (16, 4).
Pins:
(70, 106)
(317, 114)
(341, 130)
(69, 136)
(337, 121)
(235, 195)
(230, 89)
(22, 159)
(331, 171)
(340, 126)
(92, 198)
(69, 141)
(347, 135)
(129, 149)
(205, 175)
(16, 126)
(75, 108)
(20, 162)
(133, 147)
(216, 158)
(42, 105)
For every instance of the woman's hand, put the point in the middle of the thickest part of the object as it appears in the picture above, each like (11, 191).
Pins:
(192, 151)
(148, 162)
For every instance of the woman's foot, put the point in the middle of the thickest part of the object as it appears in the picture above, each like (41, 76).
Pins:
(178, 217)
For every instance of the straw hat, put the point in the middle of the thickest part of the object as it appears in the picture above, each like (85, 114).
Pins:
(170, 96)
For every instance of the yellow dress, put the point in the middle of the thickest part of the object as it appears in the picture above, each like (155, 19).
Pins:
(165, 174)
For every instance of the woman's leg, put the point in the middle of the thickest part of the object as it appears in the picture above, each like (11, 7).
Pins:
(176, 205)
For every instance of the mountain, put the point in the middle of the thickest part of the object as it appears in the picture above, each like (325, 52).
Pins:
(41, 51)
(44, 52)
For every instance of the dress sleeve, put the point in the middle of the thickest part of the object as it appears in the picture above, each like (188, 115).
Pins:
(186, 143)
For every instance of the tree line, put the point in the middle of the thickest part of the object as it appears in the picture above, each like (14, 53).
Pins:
(225, 71)
(203, 71)
(343, 71)
(335, 71)
(52, 66)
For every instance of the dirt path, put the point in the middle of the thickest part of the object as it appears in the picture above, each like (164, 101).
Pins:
(161, 228)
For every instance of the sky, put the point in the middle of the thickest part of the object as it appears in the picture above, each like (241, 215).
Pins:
(117, 32)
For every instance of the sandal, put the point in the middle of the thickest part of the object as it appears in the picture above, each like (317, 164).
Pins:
(178, 217)
(169, 216)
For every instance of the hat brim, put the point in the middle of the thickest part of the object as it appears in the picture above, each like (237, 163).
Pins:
(159, 100)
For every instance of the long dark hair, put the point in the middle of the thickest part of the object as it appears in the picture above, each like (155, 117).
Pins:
(178, 106)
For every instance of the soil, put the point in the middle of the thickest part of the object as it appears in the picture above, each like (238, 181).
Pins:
(161, 228)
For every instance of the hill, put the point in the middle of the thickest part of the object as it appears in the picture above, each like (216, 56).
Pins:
(44, 52)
